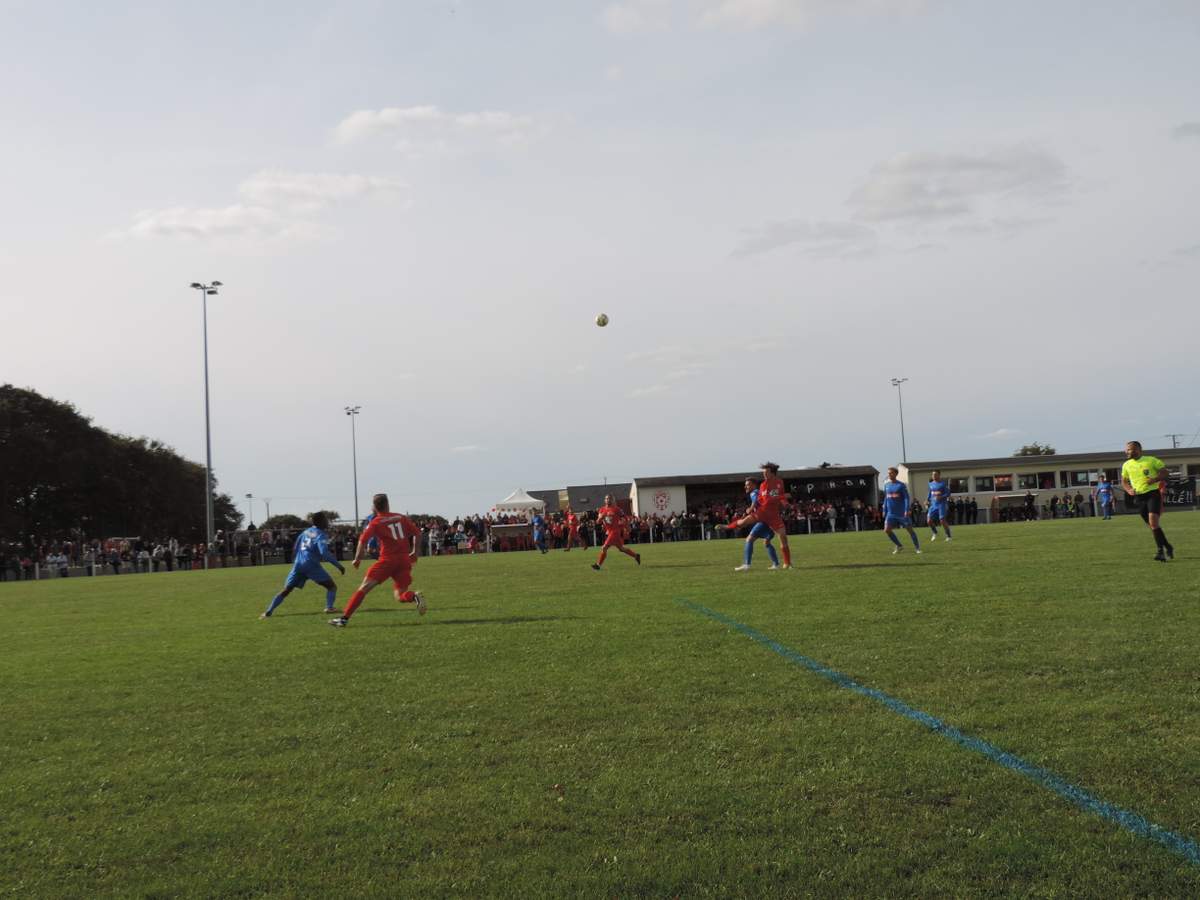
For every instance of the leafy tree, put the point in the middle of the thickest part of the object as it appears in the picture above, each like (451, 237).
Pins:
(333, 515)
(1036, 449)
(62, 474)
(284, 520)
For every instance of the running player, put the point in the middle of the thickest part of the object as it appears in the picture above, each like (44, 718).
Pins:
(760, 530)
(939, 504)
(311, 549)
(398, 538)
(573, 531)
(539, 531)
(1104, 497)
(772, 496)
(613, 519)
(1145, 478)
(895, 509)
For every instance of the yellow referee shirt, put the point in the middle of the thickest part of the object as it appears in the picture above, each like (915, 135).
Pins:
(1142, 473)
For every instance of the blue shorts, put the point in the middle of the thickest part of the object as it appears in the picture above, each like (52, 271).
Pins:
(936, 512)
(301, 575)
(539, 537)
(902, 521)
(762, 530)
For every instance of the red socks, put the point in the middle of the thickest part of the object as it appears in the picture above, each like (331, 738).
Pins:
(353, 603)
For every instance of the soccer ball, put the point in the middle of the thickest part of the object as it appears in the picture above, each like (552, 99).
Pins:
(602, 320)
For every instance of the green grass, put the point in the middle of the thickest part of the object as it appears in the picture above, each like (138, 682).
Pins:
(547, 730)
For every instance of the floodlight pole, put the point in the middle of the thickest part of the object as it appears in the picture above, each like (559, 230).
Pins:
(896, 382)
(250, 504)
(353, 411)
(205, 290)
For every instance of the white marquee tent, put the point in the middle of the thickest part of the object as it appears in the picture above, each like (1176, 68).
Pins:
(519, 502)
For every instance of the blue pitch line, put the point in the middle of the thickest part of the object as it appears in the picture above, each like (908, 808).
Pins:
(1130, 821)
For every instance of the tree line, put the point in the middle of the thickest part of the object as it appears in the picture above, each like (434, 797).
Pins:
(61, 475)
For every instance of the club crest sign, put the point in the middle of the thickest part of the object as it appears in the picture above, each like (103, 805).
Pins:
(662, 500)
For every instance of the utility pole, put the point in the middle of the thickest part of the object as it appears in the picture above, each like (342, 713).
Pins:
(1174, 440)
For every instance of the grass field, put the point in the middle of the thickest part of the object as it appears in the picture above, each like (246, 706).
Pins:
(548, 730)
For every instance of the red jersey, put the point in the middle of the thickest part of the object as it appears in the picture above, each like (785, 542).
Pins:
(611, 518)
(772, 495)
(573, 522)
(393, 532)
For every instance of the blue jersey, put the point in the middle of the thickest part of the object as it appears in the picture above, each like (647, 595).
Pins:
(895, 499)
(939, 494)
(1104, 492)
(312, 548)
(538, 523)
(752, 498)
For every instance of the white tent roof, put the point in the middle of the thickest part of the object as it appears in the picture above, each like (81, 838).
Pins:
(519, 501)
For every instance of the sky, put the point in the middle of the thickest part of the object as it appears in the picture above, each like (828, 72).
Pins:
(420, 208)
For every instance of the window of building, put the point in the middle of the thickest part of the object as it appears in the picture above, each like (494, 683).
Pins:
(1046, 481)
(1002, 482)
(984, 483)
(1027, 482)
(1080, 479)
(960, 486)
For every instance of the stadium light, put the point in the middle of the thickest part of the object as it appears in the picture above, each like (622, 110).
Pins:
(353, 411)
(207, 290)
(896, 382)
(250, 520)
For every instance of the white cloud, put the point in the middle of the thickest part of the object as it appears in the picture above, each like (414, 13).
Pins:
(1000, 434)
(1186, 130)
(925, 187)
(311, 191)
(202, 223)
(749, 14)
(636, 16)
(641, 16)
(278, 205)
(813, 239)
(915, 196)
(424, 129)
(649, 390)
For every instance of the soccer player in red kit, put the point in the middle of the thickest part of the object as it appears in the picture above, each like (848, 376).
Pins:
(573, 536)
(613, 520)
(398, 537)
(772, 495)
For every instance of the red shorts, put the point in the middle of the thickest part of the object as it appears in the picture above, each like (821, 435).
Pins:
(614, 539)
(774, 521)
(400, 571)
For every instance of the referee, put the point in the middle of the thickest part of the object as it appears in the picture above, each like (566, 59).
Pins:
(1144, 478)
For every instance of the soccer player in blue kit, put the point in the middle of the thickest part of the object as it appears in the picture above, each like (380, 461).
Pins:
(312, 548)
(539, 531)
(760, 530)
(1104, 497)
(939, 503)
(896, 504)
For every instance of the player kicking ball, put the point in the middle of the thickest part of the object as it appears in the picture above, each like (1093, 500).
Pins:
(311, 549)
(398, 537)
(939, 505)
(760, 530)
(896, 504)
(613, 519)
(767, 510)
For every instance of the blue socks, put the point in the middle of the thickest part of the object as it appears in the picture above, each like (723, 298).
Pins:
(933, 528)
(916, 543)
(275, 601)
(948, 535)
(748, 552)
(771, 553)
(892, 537)
(329, 598)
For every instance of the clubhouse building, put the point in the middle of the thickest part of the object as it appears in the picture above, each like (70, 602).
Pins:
(1004, 482)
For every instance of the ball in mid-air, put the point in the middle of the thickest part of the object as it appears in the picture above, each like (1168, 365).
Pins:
(602, 319)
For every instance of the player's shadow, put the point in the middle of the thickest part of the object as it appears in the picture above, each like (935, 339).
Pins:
(866, 565)
(501, 620)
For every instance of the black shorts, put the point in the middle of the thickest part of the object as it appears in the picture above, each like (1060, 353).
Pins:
(1149, 502)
